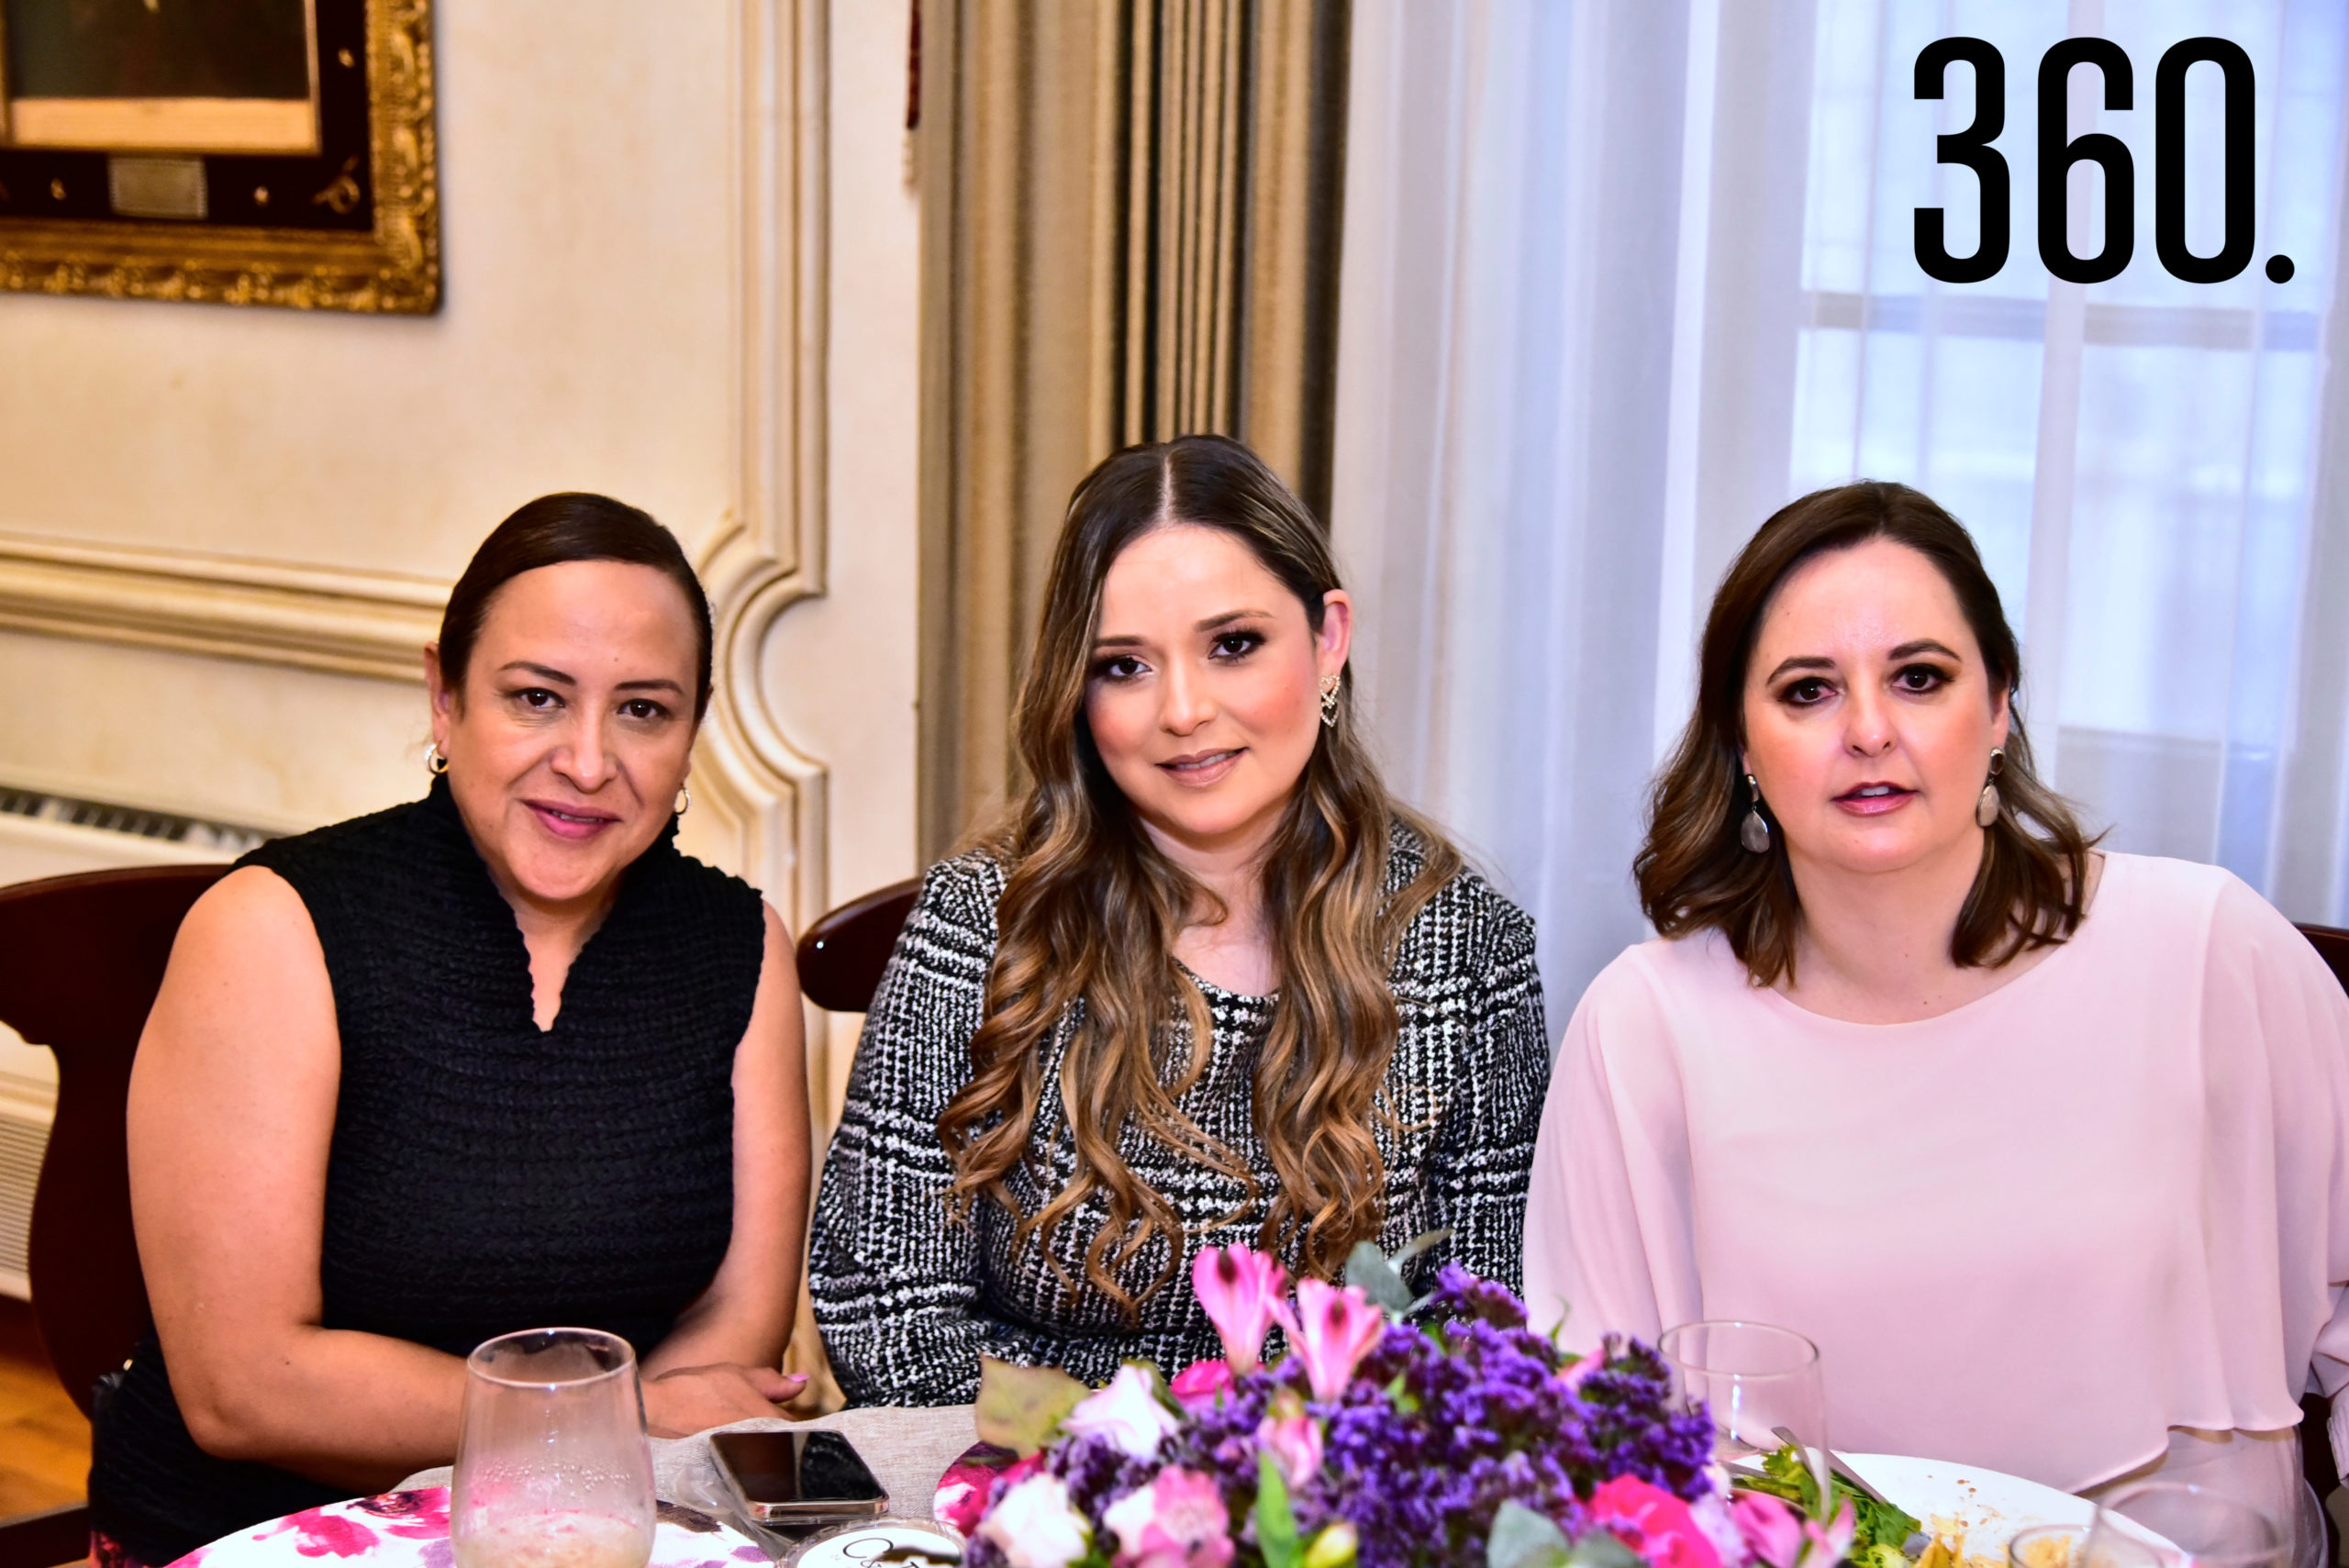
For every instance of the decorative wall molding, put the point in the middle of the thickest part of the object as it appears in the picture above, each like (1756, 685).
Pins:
(311, 618)
(767, 795)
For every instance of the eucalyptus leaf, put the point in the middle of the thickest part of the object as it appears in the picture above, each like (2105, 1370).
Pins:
(1522, 1538)
(1418, 1244)
(1019, 1408)
(1368, 1270)
(1275, 1520)
(1601, 1549)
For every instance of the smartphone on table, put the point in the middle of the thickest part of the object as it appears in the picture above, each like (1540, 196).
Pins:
(790, 1481)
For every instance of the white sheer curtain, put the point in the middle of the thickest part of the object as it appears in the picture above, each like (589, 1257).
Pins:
(1621, 276)
(1525, 374)
(2139, 459)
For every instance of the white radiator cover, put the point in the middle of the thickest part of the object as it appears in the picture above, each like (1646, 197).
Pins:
(27, 1099)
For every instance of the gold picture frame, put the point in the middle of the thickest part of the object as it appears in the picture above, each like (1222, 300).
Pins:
(351, 220)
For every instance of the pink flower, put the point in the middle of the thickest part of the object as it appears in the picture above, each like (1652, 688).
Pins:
(1654, 1523)
(1295, 1443)
(1036, 1525)
(1176, 1521)
(1330, 1331)
(1783, 1538)
(1773, 1531)
(1128, 1412)
(1827, 1545)
(1712, 1515)
(983, 1473)
(1240, 1287)
(1202, 1382)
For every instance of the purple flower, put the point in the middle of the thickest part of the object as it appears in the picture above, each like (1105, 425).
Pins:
(1398, 1443)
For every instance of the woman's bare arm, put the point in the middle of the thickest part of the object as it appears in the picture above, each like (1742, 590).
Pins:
(719, 1363)
(231, 1113)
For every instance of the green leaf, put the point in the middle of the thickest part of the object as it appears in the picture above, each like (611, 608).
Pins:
(1418, 1244)
(1369, 1271)
(1380, 1277)
(1523, 1538)
(1019, 1408)
(1276, 1522)
(1784, 1474)
(1602, 1549)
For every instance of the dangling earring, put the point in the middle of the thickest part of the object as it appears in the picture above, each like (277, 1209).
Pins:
(1330, 700)
(1754, 833)
(434, 763)
(1987, 810)
(685, 800)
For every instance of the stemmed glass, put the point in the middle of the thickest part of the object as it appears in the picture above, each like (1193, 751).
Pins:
(552, 1467)
(1758, 1382)
(2179, 1524)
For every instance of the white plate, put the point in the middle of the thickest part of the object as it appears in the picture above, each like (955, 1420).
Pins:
(1987, 1505)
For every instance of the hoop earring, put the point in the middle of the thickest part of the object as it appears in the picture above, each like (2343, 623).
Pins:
(1987, 808)
(1754, 832)
(1329, 684)
(685, 801)
(434, 763)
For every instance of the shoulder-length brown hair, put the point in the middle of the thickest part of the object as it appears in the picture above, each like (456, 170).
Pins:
(1090, 910)
(1693, 872)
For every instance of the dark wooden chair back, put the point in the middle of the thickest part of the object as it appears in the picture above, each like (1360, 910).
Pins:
(2331, 945)
(842, 955)
(84, 956)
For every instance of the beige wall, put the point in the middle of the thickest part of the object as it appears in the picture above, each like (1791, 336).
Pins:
(639, 296)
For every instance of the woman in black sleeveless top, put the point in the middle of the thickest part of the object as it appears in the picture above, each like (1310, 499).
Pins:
(499, 1059)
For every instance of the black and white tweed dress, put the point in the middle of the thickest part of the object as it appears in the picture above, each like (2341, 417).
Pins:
(908, 1301)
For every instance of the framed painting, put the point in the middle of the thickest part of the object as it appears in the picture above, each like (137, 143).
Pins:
(238, 151)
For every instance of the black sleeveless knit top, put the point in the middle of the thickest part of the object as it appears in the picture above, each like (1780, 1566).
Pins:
(484, 1176)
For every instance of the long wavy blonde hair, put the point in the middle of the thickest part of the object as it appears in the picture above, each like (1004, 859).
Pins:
(1091, 908)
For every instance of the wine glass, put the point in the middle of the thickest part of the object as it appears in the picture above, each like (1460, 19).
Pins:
(552, 1467)
(1761, 1387)
(2182, 1524)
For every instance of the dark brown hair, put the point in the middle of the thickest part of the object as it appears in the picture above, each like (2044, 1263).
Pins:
(549, 531)
(1091, 908)
(1693, 872)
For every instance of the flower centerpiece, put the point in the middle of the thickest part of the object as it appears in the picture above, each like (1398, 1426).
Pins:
(1395, 1433)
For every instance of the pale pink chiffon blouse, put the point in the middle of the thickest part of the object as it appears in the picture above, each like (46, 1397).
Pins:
(2108, 1199)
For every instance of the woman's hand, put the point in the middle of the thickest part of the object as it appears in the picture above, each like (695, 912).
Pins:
(695, 1398)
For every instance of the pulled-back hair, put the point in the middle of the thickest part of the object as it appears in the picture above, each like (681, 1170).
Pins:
(1693, 872)
(1091, 908)
(549, 531)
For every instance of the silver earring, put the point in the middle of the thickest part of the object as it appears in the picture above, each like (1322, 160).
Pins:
(434, 763)
(1330, 700)
(685, 802)
(1987, 808)
(1754, 833)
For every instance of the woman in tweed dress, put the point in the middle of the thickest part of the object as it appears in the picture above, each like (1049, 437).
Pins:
(1206, 982)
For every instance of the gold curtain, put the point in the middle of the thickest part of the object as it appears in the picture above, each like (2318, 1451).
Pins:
(1131, 220)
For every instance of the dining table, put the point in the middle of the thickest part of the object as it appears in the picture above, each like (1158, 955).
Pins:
(700, 1527)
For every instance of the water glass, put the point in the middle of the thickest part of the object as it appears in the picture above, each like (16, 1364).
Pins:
(1760, 1385)
(2179, 1524)
(552, 1467)
(2047, 1546)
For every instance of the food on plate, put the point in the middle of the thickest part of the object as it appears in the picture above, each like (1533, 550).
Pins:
(1881, 1528)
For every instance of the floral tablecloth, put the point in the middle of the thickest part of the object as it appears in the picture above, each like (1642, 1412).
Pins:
(410, 1529)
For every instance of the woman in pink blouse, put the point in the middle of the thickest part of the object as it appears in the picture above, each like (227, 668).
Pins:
(2044, 1147)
